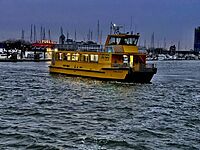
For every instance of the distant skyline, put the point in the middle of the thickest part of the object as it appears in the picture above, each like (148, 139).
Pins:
(173, 20)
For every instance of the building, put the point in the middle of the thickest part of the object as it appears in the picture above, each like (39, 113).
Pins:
(197, 39)
(41, 49)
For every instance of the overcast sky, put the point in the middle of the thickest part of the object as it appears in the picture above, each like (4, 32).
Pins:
(171, 19)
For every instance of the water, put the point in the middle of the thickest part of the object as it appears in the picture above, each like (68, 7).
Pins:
(43, 111)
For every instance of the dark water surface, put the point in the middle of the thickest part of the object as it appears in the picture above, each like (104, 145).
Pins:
(43, 111)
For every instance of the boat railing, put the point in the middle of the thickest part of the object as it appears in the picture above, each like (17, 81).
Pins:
(141, 66)
(150, 65)
(109, 49)
(124, 65)
(79, 47)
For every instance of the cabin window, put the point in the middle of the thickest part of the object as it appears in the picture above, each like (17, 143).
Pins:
(67, 57)
(105, 57)
(75, 57)
(132, 41)
(125, 59)
(93, 58)
(85, 57)
(117, 59)
(60, 56)
(56, 56)
(123, 41)
(64, 56)
(114, 41)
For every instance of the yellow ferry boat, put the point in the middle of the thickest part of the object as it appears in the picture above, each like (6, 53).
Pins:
(119, 60)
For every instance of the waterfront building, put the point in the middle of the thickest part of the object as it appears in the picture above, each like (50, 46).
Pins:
(41, 49)
(197, 39)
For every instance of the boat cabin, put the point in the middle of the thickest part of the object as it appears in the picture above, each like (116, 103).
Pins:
(122, 43)
(122, 39)
(120, 51)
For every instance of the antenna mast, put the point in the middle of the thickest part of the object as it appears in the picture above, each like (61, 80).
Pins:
(179, 45)
(49, 32)
(131, 24)
(152, 41)
(41, 28)
(34, 30)
(31, 37)
(22, 34)
(44, 36)
(165, 43)
(61, 30)
(75, 35)
(67, 35)
(98, 38)
(115, 28)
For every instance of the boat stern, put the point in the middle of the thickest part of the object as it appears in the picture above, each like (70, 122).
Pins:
(143, 75)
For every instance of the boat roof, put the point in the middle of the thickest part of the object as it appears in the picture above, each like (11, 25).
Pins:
(123, 35)
(98, 53)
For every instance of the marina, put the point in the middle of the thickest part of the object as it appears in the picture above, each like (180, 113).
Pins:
(18, 50)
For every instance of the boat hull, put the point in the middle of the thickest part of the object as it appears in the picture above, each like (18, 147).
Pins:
(141, 76)
(108, 74)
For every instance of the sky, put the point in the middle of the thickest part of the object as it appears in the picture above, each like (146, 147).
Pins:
(173, 20)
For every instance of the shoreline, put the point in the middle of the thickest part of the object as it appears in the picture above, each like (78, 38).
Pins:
(24, 60)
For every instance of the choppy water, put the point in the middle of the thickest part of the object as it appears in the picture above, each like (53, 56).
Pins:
(43, 111)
